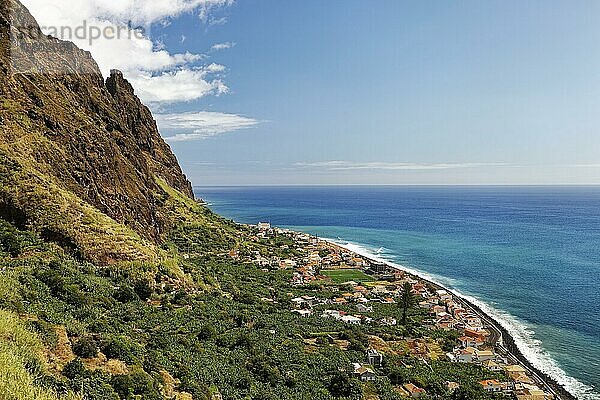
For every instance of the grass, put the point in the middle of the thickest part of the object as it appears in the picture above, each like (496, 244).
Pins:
(21, 362)
(51, 207)
(346, 275)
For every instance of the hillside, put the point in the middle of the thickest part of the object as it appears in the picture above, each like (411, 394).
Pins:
(80, 156)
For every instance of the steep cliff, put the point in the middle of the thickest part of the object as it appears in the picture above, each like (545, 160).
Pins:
(81, 158)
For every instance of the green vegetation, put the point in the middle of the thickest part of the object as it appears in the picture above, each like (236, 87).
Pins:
(347, 275)
(197, 324)
(21, 363)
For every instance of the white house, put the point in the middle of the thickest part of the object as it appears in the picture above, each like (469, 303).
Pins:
(264, 226)
(388, 321)
(331, 314)
(492, 366)
(351, 319)
(374, 358)
(364, 373)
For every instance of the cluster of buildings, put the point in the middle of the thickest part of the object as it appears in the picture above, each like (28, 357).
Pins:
(359, 297)
(476, 344)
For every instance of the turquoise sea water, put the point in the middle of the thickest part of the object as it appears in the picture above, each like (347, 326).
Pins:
(528, 255)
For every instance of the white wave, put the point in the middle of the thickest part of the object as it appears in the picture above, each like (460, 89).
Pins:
(523, 335)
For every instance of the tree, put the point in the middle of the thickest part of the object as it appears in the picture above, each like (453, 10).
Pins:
(126, 294)
(342, 385)
(406, 300)
(207, 332)
(467, 393)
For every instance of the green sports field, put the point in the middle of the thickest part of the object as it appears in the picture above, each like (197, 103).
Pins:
(345, 275)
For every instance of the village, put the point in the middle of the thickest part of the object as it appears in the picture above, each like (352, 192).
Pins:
(361, 283)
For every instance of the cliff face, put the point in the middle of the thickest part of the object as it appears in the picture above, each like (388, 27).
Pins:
(76, 149)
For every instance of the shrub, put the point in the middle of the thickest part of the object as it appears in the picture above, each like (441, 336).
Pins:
(85, 347)
(142, 289)
(138, 383)
(74, 369)
(123, 385)
(119, 348)
(126, 294)
(341, 385)
(207, 332)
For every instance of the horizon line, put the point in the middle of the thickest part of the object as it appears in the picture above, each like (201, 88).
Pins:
(407, 185)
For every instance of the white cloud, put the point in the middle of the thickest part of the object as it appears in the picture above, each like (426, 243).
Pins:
(176, 86)
(389, 166)
(140, 12)
(222, 46)
(215, 68)
(201, 125)
(156, 74)
(159, 77)
(218, 21)
(206, 12)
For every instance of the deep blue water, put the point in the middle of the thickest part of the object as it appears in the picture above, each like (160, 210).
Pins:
(531, 253)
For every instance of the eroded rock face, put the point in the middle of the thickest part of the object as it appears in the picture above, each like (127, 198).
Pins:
(94, 138)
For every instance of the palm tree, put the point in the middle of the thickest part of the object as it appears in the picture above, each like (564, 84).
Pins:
(406, 300)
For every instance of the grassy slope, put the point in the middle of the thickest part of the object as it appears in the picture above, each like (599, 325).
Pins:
(42, 278)
(24, 255)
(21, 362)
(52, 208)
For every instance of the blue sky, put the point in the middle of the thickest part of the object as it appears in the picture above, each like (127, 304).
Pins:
(386, 92)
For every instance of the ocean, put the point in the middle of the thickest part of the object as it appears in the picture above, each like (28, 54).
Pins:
(530, 256)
